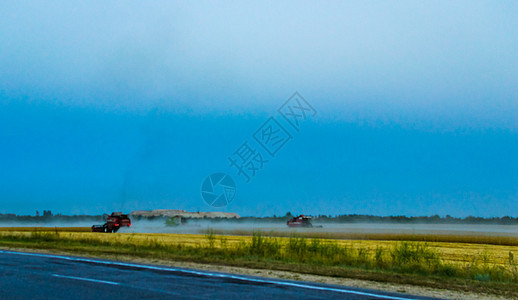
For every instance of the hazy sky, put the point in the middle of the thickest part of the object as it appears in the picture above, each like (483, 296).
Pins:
(126, 106)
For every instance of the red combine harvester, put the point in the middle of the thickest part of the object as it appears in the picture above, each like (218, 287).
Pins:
(113, 223)
(300, 221)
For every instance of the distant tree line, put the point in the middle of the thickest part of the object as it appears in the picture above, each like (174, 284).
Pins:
(355, 218)
(48, 216)
(435, 219)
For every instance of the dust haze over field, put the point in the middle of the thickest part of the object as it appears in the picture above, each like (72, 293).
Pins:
(244, 227)
(248, 227)
(240, 227)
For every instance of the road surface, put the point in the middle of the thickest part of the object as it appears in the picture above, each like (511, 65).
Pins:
(43, 276)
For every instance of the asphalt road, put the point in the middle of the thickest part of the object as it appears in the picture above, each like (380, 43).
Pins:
(41, 276)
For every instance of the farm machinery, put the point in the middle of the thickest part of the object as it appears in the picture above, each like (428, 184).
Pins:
(113, 223)
(300, 221)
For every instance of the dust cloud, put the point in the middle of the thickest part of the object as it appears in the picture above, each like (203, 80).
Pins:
(248, 227)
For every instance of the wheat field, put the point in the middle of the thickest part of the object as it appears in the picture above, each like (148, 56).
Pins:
(458, 253)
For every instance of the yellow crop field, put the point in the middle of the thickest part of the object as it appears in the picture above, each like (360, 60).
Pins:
(449, 252)
(436, 237)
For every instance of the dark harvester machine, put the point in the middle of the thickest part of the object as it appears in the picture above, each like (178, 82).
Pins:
(300, 221)
(113, 223)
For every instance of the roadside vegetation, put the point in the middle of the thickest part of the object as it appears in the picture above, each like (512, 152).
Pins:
(411, 262)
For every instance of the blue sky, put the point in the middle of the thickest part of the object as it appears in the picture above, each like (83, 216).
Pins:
(117, 106)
